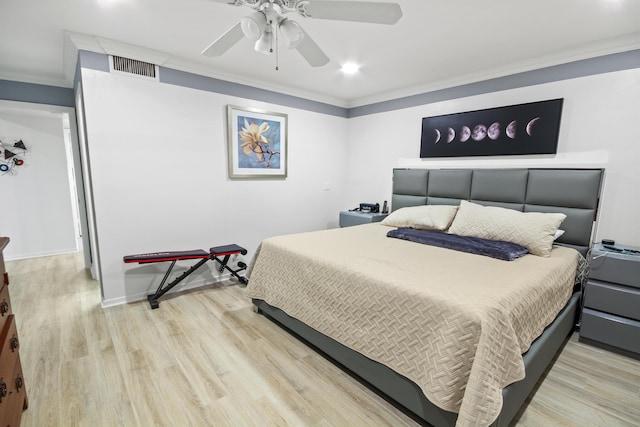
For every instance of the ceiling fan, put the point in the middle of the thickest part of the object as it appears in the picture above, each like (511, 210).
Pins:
(270, 16)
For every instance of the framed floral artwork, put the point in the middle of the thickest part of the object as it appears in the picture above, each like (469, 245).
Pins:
(257, 143)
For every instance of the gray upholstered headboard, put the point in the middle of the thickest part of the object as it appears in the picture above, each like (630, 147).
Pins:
(574, 192)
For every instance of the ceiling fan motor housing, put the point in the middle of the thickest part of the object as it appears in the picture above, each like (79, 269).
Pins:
(269, 16)
(260, 25)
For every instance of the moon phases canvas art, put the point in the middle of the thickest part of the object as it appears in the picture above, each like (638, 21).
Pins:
(521, 129)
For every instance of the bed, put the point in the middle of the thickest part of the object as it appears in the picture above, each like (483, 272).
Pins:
(454, 338)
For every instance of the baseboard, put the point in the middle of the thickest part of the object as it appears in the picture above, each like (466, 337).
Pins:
(17, 257)
(142, 296)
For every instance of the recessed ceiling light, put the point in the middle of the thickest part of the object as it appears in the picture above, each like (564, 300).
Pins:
(110, 3)
(613, 4)
(350, 68)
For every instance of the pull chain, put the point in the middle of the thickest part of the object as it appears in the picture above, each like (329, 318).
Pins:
(277, 50)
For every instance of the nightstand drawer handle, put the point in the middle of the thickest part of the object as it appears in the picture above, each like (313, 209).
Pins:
(15, 344)
(4, 307)
(19, 382)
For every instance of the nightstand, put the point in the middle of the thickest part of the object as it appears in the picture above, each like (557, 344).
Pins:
(611, 312)
(349, 218)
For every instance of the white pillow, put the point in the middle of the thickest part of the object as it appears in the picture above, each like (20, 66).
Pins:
(533, 230)
(425, 217)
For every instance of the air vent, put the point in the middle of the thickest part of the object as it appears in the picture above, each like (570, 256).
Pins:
(133, 66)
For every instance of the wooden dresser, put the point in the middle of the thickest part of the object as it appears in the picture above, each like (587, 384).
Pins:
(13, 394)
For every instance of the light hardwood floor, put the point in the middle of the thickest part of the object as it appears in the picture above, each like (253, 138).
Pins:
(204, 358)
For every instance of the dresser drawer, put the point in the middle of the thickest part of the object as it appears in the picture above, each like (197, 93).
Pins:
(9, 344)
(615, 299)
(3, 276)
(609, 329)
(9, 359)
(15, 401)
(5, 306)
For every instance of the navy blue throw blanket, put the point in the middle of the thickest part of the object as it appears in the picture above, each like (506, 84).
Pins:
(499, 249)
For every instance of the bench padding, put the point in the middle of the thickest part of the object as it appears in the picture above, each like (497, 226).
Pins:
(166, 256)
(228, 250)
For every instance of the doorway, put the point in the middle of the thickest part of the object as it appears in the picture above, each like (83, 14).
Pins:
(44, 196)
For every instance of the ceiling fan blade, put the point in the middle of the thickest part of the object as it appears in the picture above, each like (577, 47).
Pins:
(355, 11)
(312, 52)
(225, 41)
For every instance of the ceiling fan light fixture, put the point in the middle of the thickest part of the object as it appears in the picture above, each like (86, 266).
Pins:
(253, 26)
(264, 43)
(350, 68)
(269, 21)
(292, 33)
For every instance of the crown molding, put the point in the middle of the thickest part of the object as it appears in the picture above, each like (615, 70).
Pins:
(77, 41)
(576, 53)
(38, 80)
(195, 68)
(73, 42)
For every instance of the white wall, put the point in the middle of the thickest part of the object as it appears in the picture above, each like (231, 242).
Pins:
(35, 201)
(598, 129)
(159, 170)
(159, 166)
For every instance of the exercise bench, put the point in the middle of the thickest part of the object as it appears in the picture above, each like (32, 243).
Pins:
(220, 254)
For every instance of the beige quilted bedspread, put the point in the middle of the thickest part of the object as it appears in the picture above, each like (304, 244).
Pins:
(454, 323)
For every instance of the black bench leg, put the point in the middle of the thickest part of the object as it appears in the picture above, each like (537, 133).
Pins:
(153, 299)
(241, 267)
(223, 266)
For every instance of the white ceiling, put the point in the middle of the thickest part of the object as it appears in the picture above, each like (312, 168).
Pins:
(435, 44)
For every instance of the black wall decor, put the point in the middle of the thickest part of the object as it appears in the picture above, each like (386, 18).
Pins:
(512, 130)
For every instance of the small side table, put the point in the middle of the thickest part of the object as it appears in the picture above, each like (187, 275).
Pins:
(611, 313)
(349, 218)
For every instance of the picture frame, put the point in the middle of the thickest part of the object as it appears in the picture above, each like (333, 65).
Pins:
(521, 129)
(257, 143)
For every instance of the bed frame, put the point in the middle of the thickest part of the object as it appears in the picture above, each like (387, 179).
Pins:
(574, 192)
